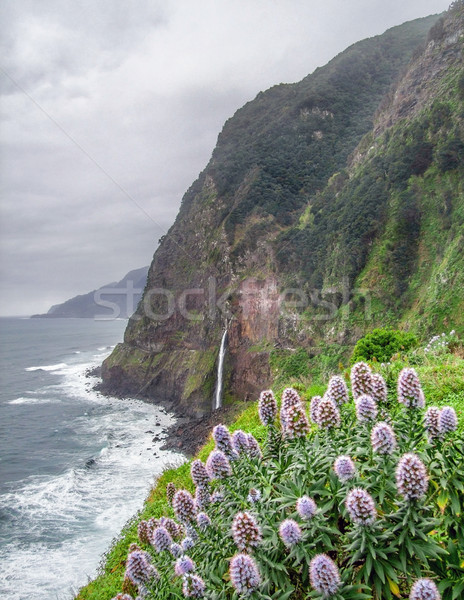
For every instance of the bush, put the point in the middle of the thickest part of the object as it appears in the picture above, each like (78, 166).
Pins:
(382, 344)
(349, 509)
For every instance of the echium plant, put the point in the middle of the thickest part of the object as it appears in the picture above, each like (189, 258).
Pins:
(223, 439)
(328, 414)
(290, 398)
(366, 408)
(193, 586)
(379, 388)
(431, 417)
(240, 442)
(306, 508)
(244, 574)
(254, 450)
(410, 390)
(314, 408)
(344, 468)
(267, 407)
(290, 532)
(383, 438)
(296, 422)
(161, 539)
(218, 465)
(324, 575)
(361, 380)
(199, 474)
(424, 589)
(338, 390)
(447, 420)
(184, 506)
(246, 531)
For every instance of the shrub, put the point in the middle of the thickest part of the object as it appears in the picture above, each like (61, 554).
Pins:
(381, 344)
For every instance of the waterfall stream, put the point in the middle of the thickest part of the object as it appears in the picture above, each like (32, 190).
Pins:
(220, 372)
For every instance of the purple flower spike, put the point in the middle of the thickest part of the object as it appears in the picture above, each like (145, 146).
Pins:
(366, 409)
(218, 465)
(383, 438)
(138, 568)
(170, 491)
(240, 441)
(337, 390)
(361, 380)
(187, 543)
(313, 408)
(244, 574)
(143, 532)
(254, 496)
(290, 398)
(184, 506)
(193, 587)
(290, 532)
(344, 468)
(431, 419)
(199, 474)
(170, 525)
(411, 477)
(161, 539)
(447, 421)
(328, 414)
(202, 498)
(203, 521)
(267, 407)
(297, 425)
(379, 388)
(409, 389)
(176, 550)
(254, 451)
(424, 589)
(361, 507)
(245, 531)
(306, 508)
(324, 575)
(184, 565)
(223, 441)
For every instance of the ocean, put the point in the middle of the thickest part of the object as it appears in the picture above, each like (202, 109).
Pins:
(75, 466)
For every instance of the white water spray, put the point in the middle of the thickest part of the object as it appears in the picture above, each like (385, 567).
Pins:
(220, 372)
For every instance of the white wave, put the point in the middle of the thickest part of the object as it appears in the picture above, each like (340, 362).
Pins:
(62, 524)
(27, 400)
(47, 367)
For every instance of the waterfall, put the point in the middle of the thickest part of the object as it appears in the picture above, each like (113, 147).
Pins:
(220, 372)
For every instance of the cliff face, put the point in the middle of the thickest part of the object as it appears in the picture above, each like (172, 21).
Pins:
(284, 238)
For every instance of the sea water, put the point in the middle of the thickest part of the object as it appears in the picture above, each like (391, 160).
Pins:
(74, 465)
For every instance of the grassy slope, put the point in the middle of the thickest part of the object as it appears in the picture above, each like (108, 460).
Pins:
(443, 383)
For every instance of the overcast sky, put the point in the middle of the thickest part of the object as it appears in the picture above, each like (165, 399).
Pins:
(111, 108)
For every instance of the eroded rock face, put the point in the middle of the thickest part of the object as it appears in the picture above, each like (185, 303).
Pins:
(218, 266)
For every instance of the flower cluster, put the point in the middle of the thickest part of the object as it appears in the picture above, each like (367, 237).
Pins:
(176, 550)
(439, 343)
(379, 388)
(306, 508)
(138, 568)
(338, 390)
(184, 506)
(313, 408)
(432, 414)
(409, 389)
(290, 398)
(184, 565)
(223, 441)
(424, 589)
(254, 496)
(202, 498)
(244, 574)
(344, 468)
(203, 521)
(161, 539)
(361, 507)
(324, 575)
(246, 531)
(447, 421)
(143, 532)
(411, 477)
(297, 424)
(170, 491)
(290, 532)
(361, 380)
(218, 465)
(193, 586)
(254, 451)
(366, 408)
(240, 441)
(199, 474)
(328, 414)
(383, 438)
(267, 407)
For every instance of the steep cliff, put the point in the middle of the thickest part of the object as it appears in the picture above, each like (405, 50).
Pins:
(318, 216)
